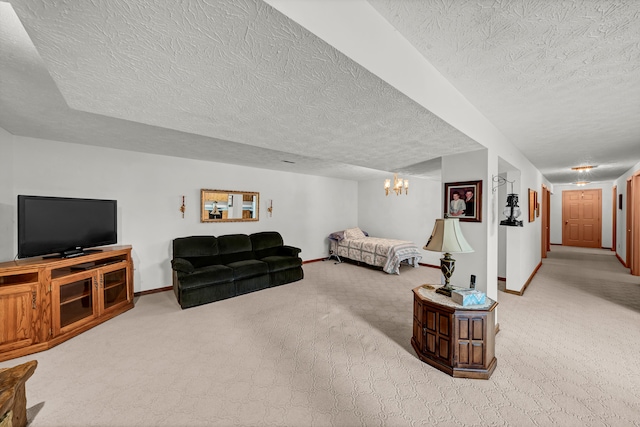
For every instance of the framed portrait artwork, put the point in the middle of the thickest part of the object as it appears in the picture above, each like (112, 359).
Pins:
(463, 200)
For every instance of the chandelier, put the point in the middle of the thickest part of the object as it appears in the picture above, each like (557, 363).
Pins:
(398, 185)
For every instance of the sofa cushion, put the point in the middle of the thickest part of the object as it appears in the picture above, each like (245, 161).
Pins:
(279, 263)
(266, 243)
(248, 268)
(195, 246)
(206, 276)
(204, 261)
(234, 247)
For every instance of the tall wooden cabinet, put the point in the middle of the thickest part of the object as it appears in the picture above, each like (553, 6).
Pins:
(44, 302)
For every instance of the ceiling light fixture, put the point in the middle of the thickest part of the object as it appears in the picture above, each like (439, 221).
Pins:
(398, 185)
(581, 183)
(583, 168)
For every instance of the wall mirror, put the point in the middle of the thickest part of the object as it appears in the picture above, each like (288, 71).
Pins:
(229, 206)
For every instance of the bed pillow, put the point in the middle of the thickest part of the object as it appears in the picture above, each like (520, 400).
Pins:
(353, 233)
(338, 235)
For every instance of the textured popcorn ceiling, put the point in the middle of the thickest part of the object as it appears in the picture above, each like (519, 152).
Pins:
(239, 82)
(234, 71)
(561, 79)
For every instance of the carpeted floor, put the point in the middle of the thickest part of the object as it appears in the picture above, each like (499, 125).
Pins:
(334, 350)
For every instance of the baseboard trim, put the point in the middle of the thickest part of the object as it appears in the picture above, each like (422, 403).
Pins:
(621, 261)
(152, 291)
(429, 265)
(526, 284)
(497, 328)
(313, 260)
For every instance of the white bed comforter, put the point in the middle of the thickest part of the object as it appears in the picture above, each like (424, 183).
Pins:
(385, 253)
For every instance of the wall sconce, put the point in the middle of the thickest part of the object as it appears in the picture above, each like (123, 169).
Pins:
(183, 207)
(270, 207)
(398, 185)
(512, 210)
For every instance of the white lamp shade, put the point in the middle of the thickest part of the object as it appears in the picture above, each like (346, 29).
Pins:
(447, 237)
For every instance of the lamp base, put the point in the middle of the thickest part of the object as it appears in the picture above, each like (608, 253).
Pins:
(511, 222)
(445, 290)
(447, 266)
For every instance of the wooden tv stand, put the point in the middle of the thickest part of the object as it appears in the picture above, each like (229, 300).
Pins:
(47, 301)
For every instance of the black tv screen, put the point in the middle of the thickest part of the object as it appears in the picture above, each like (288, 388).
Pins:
(48, 225)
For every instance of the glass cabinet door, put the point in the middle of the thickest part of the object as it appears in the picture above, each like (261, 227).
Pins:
(114, 288)
(76, 301)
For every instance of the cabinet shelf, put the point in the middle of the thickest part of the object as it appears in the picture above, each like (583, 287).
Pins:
(19, 279)
(80, 266)
(73, 298)
(114, 285)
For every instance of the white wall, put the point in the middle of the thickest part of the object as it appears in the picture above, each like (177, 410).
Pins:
(621, 220)
(501, 191)
(7, 201)
(472, 167)
(520, 252)
(148, 189)
(555, 224)
(405, 217)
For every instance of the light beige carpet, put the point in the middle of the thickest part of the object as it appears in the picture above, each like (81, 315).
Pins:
(334, 350)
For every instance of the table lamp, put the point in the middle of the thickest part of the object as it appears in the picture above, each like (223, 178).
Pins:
(447, 237)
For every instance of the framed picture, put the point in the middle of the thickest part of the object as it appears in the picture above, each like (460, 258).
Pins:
(463, 200)
(532, 205)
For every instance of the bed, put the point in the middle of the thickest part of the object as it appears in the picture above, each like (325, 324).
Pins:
(356, 245)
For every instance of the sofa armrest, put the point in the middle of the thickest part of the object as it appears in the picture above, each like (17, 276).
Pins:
(289, 250)
(182, 265)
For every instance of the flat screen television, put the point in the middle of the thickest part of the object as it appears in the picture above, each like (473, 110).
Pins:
(65, 226)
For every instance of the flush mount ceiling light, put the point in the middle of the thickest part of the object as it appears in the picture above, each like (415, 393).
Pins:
(583, 168)
(581, 183)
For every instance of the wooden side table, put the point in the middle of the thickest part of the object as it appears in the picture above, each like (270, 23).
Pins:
(13, 398)
(457, 340)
